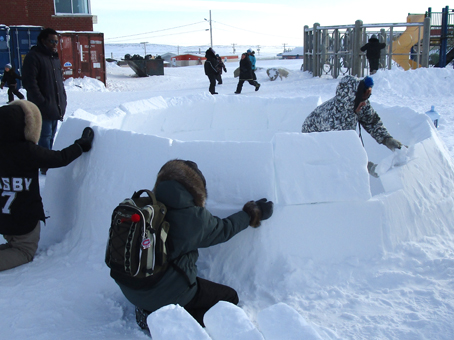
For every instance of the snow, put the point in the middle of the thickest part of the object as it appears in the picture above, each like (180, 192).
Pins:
(169, 321)
(226, 321)
(344, 256)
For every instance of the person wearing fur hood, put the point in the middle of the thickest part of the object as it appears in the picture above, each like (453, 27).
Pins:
(349, 108)
(181, 186)
(20, 160)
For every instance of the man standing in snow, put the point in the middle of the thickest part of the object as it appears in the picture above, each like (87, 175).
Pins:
(43, 80)
(372, 49)
(181, 186)
(20, 160)
(210, 69)
(348, 108)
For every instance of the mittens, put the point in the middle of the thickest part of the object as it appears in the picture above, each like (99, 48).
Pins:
(392, 144)
(86, 140)
(258, 211)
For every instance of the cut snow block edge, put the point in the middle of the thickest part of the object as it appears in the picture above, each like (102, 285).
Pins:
(173, 322)
(282, 322)
(226, 321)
(326, 166)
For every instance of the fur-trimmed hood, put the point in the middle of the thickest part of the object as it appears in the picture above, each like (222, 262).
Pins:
(20, 120)
(187, 174)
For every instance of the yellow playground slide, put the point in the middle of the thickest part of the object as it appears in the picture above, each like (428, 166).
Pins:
(408, 39)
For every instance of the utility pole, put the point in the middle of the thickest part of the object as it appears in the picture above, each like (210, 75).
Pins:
(284, 46)
(211, 31)
(233, 46)
(145, 46)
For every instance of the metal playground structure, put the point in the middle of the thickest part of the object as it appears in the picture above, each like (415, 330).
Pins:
(335, 50)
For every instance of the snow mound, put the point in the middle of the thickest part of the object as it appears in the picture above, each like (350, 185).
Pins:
(85, 84)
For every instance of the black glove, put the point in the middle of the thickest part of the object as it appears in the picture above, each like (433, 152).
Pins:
(258, 211)
(266, 207)
(86, 140)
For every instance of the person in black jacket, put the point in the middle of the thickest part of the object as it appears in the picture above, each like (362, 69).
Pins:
(373, 48)
(210, 69)
(42, 77)
(246, 74)
(219, 67)
(9, 78)
(20, 158)
(181, 186)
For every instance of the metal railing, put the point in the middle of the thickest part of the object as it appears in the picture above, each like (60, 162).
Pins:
(335, 50)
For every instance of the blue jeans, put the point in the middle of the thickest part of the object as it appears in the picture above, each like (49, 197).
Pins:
(48, 130)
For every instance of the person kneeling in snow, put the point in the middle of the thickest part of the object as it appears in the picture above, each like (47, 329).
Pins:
(20, 160)
(349, 107)
(181, 186)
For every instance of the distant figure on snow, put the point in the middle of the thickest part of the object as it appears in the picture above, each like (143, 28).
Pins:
(181, 186)
(246, 74)
(251, 55)
(348, 108)
(219, 67)
(372, 49)
(210, 69)
(20, 160)
(9, 78)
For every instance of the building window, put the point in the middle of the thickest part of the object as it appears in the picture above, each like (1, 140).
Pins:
(72, 6)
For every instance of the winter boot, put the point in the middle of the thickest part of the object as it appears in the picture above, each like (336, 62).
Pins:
(257, 87)
(141, 318)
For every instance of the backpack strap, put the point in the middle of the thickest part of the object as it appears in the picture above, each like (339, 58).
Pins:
(360, 137)
(150, 194)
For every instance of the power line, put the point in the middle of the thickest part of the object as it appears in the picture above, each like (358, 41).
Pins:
(165, 29)
(242, 29)
(165, 35)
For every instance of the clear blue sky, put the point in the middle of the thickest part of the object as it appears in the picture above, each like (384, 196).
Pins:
(252, 22)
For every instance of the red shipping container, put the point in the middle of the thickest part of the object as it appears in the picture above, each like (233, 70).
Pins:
(82, 55)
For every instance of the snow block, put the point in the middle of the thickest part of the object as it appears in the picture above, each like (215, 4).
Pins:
(419, 183)
(281, 321)
(282, 115)
(235, 172)
(328, 232)
(322, 167)
(174, 322)
(226, 321)
(122, 167)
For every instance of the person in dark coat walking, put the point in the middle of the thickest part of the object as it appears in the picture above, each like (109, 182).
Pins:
(42, 77)
(219, 67)
(9, 78)
(372, 49)
(246, 74)
(20, 159)
(210, 69)
(181, 186)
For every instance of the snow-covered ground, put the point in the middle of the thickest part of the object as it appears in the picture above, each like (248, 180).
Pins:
(345, 256)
